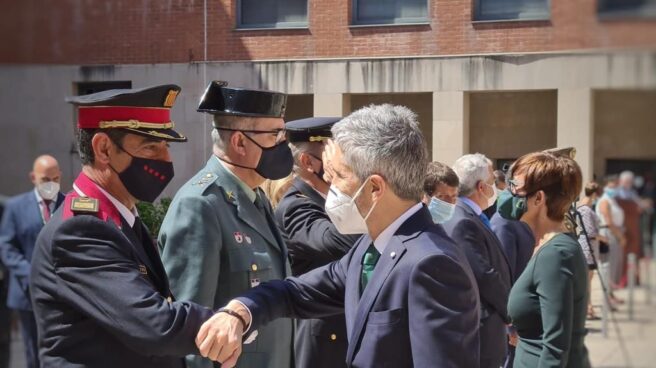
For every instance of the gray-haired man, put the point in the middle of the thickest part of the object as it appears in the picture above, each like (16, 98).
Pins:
(470, 229)
(407, 291)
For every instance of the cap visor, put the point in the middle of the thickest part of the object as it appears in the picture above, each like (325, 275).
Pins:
(160, 134)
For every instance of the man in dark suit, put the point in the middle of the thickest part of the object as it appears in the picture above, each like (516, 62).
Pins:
(24, 217)
(517, 242)
(99, 291)
(312, 239)
(409, 295)
(470, 229)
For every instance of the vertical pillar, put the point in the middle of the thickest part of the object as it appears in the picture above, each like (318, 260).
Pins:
(575, 127)
(450, 125)
(332, 104)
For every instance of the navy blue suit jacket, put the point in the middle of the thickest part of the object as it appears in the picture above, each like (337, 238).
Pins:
(492, 274)
(517, 242)
(100, 298)
(21, 223)
(420, 308)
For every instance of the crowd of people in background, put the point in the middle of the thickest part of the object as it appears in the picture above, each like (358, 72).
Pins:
(339, 222)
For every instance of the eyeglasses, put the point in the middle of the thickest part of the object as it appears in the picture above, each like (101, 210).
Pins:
(514, 184)
(281, 134)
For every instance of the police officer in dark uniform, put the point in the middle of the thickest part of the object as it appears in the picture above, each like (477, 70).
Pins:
(312, 240)
(100, 294)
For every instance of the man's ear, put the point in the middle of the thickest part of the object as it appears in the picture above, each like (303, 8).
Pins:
(32, 177)
(306, 162)
(237, 143)
(378, 186)
(101, 145)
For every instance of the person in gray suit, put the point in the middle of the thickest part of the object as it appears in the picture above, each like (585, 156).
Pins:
(471, 229)
(219, 238)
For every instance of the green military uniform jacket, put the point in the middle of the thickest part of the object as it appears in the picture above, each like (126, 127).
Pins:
(216, 244)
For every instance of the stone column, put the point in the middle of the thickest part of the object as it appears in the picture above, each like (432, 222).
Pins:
(450, 126)
(332, 104)
(575, 126)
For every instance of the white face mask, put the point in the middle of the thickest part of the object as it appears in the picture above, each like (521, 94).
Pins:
(493, 198)
(48, 190)
(344, 213)
(440, 210)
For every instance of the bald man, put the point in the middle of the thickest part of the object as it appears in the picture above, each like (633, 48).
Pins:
(23, 218)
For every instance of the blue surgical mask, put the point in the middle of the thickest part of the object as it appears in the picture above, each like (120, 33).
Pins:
(611, 192)
(440, 210)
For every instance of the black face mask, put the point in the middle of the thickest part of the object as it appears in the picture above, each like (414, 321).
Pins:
(145, 178)
(276, 162)
(321, 171)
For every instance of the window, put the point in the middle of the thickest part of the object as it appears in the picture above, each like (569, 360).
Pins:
(627, 8)
(369, 12)
(493, 10)
(272, 14)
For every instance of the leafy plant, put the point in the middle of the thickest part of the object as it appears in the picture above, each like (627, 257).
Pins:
(152, 214)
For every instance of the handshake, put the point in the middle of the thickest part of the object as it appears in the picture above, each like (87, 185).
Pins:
(220, 337)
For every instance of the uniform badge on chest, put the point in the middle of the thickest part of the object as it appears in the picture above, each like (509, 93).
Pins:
(239, 237)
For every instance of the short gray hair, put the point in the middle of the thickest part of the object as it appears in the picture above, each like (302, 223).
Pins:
(385, 140)
(298, 148)
(471, 169)
(221, 138)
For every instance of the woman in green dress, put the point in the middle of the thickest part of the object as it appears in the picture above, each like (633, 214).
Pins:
(548, 302)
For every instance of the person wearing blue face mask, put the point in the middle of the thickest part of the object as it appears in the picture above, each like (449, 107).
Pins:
(611, 219)
(440, 191)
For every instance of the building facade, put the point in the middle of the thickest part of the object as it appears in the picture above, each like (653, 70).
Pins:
(500, 77)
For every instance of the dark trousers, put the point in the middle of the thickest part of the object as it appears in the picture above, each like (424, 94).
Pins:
(5, 325)
(510, 358)
(28, 330)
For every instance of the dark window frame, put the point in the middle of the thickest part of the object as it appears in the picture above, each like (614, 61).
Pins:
(388, 22)
(477, 17)
(606, 12)
(240, 26)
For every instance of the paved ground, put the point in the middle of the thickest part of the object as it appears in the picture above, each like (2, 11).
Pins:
(630, 343)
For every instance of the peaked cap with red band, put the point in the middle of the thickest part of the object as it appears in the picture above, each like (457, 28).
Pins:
(145, 111)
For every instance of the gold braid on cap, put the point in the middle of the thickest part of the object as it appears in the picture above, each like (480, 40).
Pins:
(134, 124)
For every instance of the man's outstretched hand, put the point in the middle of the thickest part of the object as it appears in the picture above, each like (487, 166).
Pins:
(220, 337)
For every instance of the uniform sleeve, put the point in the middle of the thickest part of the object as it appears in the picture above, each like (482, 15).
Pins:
(554, 285)
(318, 293)
(10, 252)
(190, 244)
(491, 287)
(443, 314)
(97, 274)
(308, 226)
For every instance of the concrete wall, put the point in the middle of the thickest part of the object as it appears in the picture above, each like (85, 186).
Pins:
(506, 125)
(624, 126)
(36, 119)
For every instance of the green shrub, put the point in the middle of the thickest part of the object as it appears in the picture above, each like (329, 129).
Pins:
(152, 214)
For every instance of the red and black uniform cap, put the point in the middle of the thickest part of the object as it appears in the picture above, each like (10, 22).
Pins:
(219, 99)
(145, 111)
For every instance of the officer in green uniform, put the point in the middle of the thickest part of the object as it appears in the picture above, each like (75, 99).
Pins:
(219, 238)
